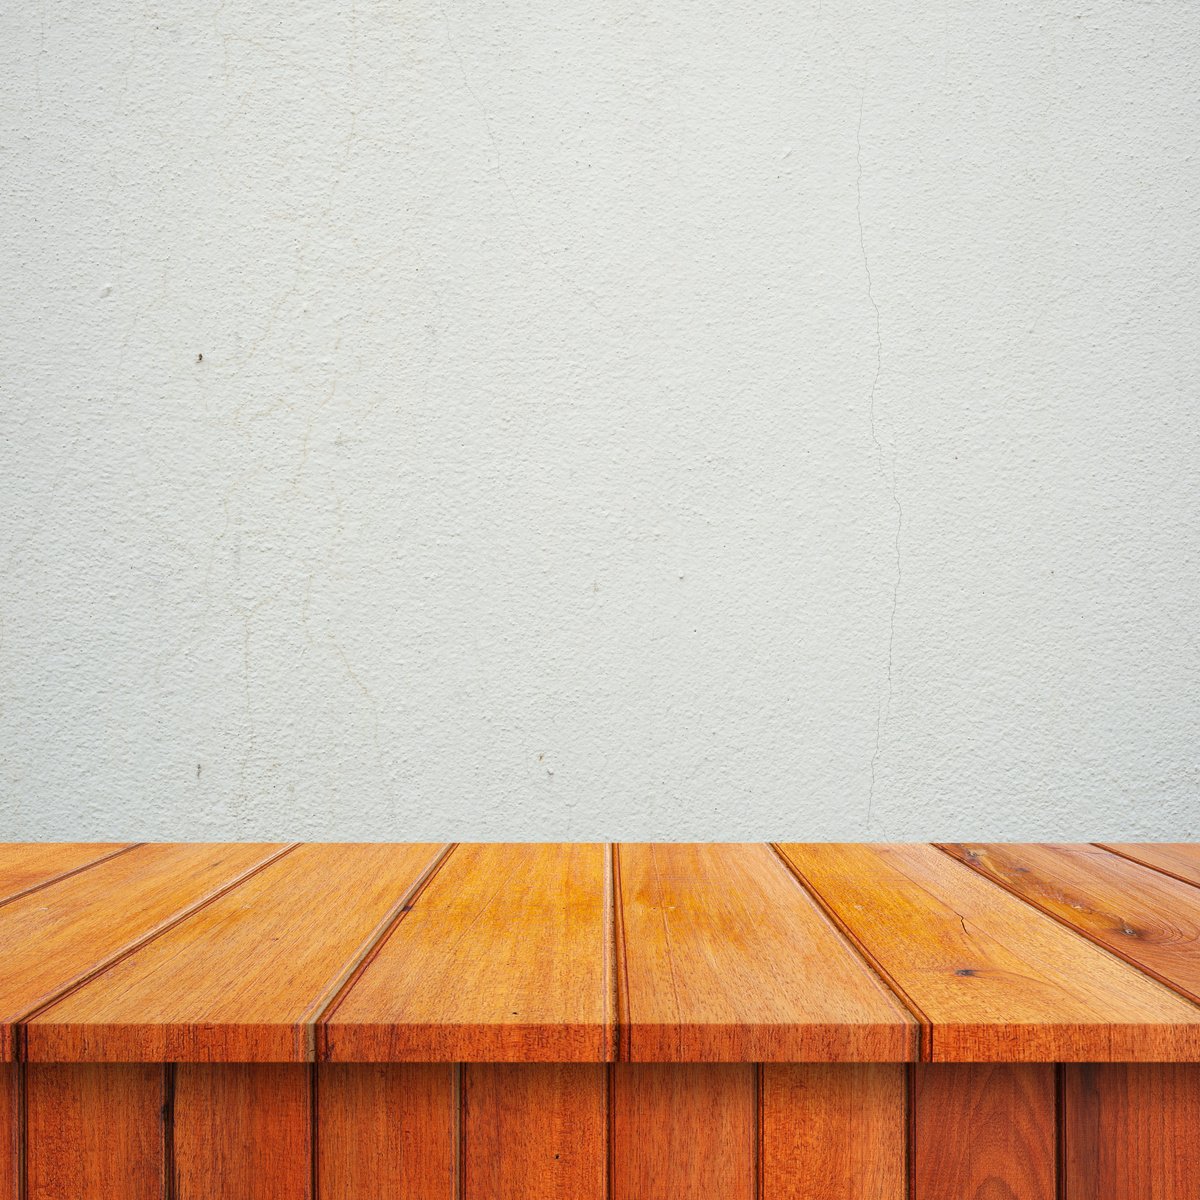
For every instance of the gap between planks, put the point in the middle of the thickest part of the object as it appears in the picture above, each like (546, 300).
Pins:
(139, 943)
(924, 1024)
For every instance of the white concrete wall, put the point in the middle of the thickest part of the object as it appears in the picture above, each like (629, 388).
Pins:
(618, 419)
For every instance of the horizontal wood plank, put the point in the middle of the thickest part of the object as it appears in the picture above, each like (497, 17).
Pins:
(724, 957)
(505, 956)
(1181, 859)
(25, 866)
(1141, 915)
(995, 979)
(53, 938)
(243, 979)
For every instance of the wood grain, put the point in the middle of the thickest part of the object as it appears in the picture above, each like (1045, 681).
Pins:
(10, 1131)
(53, 938)
(95, 1131)
(1131, 1131)
(724, 957)
(1149, 919)
(505, 956)
(242, 1132)
(1180, 859)
(25, 866)
(996, 979)
(984, 1132)
(387, 1130)
(834, 1131)
(534, 1131)
(243, 979)
(684, 1131)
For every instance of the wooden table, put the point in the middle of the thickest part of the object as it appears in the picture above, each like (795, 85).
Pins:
(592, 1022)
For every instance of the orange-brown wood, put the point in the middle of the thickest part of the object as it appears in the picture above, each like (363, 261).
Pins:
(95, 1131)
(10, 1131)
(505, 956)
(242, 1131)
(1147, 918)
(387, 1130)
(25, 866)
(534, 1131)
(243, 979)
(1181, 859)
(1131, 1131)
(834, 1131)
(984, 1132)
(995, 979)
(57, 936)
(724, 957)
(684, 1131)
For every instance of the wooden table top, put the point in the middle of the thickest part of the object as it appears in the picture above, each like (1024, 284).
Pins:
(592, 953)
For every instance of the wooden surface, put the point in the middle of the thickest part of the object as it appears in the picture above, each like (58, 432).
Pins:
(1131, 1131)
(242, 979)
(26, 866)
(388, 1130)
(743, 953)
(534, 1131)
(95, 1131)
(834, 1131)
(722, 956)
(985, 1131)
(989, 977)
(590, 1131)
(685, 1131)
(505, 956)
(1149, 919)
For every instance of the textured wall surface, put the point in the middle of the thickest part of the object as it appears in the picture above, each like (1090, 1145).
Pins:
(623, 419)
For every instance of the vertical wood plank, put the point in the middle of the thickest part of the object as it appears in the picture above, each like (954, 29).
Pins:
(243, 1132)
(1131, 1131)
(534, 1131)
(10, 1130)
(387, 1130)
(984, 1131)
(94, 1131)
(834, 1131)
(684, 1131)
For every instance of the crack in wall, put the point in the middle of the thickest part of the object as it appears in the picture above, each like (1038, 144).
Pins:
(887, 472)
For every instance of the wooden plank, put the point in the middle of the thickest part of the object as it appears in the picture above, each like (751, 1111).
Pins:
(1180, 859)
(725, 958)
(996, 979)
(534, 1131)
(243, 979)
(505, 956)
(1149, 919)
(25, 866)
(10, 1131)
(1131, 1131)
(54, 938)
(95, 1131)
(387, 1129)
(834, 1131)
(984, 1132)
(684, 1131)
(243, 1131)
